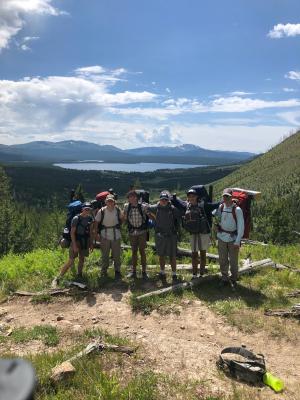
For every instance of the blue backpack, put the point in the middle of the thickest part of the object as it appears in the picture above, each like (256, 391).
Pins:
(74, 208)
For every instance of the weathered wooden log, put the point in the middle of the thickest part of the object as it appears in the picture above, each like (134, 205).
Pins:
(254, 242)
(294, 313)
(185, 285)
(296, 293)
(50, 292)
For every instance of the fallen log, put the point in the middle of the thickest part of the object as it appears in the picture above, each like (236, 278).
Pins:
(296, 293)
(294, 312)
(195, 282)
(254, 242)
(66, 369)
(50, 292)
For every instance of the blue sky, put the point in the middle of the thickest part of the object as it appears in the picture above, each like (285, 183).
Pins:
(219, 74)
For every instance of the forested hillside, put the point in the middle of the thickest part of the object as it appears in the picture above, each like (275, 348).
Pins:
(277, 175)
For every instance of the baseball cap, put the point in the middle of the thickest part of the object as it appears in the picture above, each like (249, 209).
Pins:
(87, 205)
(191, 191)
(109, 197)
(164, 195)
(227, 192)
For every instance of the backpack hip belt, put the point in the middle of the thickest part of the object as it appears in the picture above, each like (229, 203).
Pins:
(220, 229)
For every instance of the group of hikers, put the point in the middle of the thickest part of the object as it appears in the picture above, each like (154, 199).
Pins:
(101, 223)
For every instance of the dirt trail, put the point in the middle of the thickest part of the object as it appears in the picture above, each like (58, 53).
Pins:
(187, 344)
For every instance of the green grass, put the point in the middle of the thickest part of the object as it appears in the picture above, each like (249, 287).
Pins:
(46, 333)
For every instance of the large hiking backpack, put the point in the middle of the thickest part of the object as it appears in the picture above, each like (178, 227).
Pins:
(101, 197)
(195, 220)
(247, 367)
(143, 196)
(201, 192)
(74, 208)
(243, 200)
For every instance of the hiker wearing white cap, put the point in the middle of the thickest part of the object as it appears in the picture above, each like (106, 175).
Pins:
(108, 223)
(230, 232)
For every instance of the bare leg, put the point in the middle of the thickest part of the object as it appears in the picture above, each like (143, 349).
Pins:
(80, 264)
(173, 264)
(162, 263)
(195, 262)
(66, 267)
(202, 261)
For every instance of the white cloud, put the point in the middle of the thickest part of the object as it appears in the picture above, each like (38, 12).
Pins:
(13, 14)
(94, 69)
(292, 117)
(162, 135)
(284, 30)
(294, 75)
(240, 93)
(289, 90)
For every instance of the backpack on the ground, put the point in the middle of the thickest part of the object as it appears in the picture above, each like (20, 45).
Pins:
(195, 220)
(201, 192)
(247, 367)
(243, 200)
(74, 208)
(101, 197)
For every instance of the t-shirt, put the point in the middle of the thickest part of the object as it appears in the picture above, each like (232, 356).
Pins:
(167, 218)
(228, 223)
(110, 220)
(81, 227)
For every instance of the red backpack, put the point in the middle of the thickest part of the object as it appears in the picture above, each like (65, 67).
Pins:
(101, 197)
(243, 200)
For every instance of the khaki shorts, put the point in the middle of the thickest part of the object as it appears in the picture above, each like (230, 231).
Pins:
(138, 242)
(200, 241)
(82, 252)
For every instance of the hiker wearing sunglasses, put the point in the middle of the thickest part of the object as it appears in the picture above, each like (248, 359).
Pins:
(230, 233)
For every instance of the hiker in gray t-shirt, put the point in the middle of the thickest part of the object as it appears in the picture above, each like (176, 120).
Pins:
(167, 219)
(81, 241)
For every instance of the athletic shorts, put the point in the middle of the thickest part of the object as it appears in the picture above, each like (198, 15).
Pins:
(166, 246)
(83, 252)
(200, 241)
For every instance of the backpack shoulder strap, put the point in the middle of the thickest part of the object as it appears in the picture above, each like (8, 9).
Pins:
(234, 212)
(102, 209)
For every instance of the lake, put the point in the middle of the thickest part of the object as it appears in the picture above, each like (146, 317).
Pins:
(139, 167)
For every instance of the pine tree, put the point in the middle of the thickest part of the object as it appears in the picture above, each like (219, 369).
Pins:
(7, 215)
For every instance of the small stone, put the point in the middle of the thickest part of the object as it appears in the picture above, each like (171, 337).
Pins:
(9, 319)
(43, 319)
(62, 372)
(182, 327)
(126, 327)
(60, 318)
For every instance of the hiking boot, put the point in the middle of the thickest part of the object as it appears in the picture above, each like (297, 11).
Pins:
(224, 284)
(174, 278)
(233, 285)
(145, 275)
(131, 275)
(118, 275)
(203, 271)
(162, 277)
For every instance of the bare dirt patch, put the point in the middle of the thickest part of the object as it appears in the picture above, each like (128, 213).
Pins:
(185, 344)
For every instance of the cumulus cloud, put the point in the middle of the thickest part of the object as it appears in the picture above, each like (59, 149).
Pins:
(294, 75)
(162, 135)
(13, 14)
(284, 30)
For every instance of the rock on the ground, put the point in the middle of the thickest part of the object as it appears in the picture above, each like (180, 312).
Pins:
(62, 372)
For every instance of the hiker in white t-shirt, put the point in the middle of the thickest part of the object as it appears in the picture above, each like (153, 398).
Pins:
(108, 223)
(230, 233)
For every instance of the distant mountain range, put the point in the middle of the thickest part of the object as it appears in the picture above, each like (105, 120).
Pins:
(73, 150)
